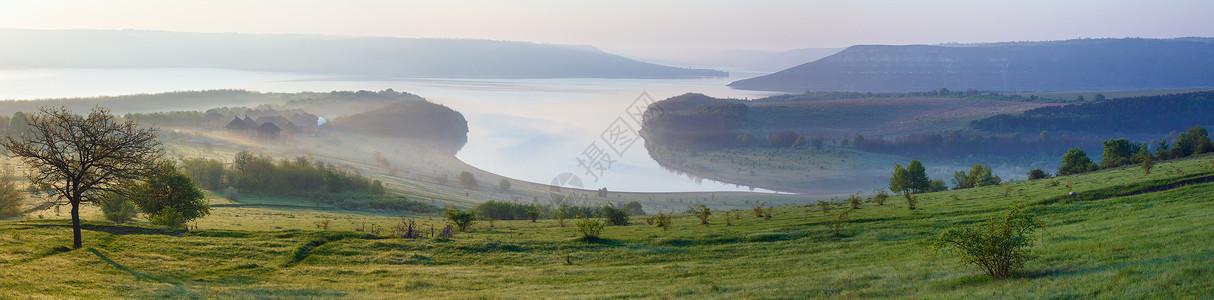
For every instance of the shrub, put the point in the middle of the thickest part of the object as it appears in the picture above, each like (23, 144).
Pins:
(880, 197)
(323, 224)
(854, 200)
(1147, 164)
(117, 209)
(998, 247)
(836, 226)
(662, 221)
(615, 216)
(700, 212)
(532, 214)
(590, 228)
(447, 232)
(759, 210)
(1038, 173)
(461, 219)
(825, 206)
(911, 202)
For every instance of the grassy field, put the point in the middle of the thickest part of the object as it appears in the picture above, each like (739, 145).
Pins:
(1151, 245)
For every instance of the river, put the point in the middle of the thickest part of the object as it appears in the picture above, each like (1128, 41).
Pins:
(528, 129)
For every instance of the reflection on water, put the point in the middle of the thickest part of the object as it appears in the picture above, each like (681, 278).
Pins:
(529, 129)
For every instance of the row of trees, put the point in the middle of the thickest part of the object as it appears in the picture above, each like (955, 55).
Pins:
(1122, 152)
(261, 173)
(961, 143)
(913, 180)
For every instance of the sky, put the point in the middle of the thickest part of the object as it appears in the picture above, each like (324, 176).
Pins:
(642, 24)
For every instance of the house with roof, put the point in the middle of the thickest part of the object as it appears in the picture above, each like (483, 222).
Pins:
(268, 131)
(239, 126)
(282, 124)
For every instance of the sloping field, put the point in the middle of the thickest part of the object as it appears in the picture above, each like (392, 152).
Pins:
(1149, 245)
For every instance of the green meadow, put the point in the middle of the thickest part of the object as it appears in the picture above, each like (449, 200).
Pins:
(1101, 243)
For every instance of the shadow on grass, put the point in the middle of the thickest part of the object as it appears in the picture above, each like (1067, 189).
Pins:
(125, 230)
(616, 243)
(123, 268)
(109, 228)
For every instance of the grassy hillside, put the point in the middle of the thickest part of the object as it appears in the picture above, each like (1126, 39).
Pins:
(1154, 244)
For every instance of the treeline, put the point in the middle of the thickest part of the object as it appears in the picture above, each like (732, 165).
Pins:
(517, 211)
(960, 143)
(1121, 152)
(1150, 114)
(263, 174)
(301, 176)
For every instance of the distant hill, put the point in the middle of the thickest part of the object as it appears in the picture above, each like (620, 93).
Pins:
(413, 119)
(359, 56)
(1088, 64)
(731, 60)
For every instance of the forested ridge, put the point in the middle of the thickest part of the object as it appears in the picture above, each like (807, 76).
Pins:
(1150, 114)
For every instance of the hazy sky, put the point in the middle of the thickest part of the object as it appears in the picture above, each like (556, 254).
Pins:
(635, 24)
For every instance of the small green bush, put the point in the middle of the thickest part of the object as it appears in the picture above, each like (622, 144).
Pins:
(758, 209)
(700, 212)
(836, 225)
(999, 247)
(615, 216)
(461, 219)
(590, 228)
(662, 221)
(881, 197)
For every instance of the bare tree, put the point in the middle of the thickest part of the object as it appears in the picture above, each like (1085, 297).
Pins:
(81, 156)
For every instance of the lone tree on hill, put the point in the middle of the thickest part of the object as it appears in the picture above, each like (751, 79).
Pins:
(467, 180)
(81, 156)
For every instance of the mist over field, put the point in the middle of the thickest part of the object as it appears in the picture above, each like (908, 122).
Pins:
(626, 149)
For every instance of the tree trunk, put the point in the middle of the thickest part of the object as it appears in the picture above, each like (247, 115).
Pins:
(76, 242)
